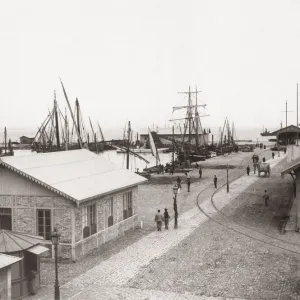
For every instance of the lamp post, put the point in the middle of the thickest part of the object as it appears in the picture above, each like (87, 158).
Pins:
(175, 190)
(55, 241)
(227, 179)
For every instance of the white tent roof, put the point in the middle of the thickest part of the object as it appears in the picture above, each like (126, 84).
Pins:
(78, 174)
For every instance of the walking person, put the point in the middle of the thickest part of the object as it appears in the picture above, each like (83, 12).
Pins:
(266, 197)
(171, 170)
(166, 218)
(178, 182)
(200, 172)
(248, 170)
(273, 154)
(158, 219)
(188, 183)
(215, 181)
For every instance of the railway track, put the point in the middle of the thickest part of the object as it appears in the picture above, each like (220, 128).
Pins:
(226, 221)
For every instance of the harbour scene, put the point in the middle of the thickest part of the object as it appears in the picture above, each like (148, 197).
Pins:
(150, 150)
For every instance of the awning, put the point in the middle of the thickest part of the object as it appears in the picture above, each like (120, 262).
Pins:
(293, 165)
(38, 249)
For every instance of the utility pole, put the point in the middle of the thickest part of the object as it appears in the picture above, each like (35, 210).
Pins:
(5, 140)
(297, 115)
(129, 131)
(286, 111)
(227, 179)
(173, 147)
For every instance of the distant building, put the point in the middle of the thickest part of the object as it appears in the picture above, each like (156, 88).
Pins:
(286, 136)
(89, 199)
(26, 140)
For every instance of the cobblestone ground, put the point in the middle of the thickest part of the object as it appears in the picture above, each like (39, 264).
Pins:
(226, 263)
(155, 196)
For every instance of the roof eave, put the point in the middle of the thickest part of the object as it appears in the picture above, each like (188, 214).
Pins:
(8, 166)
(79, 202)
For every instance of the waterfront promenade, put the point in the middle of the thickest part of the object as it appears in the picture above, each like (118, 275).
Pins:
(203, 258)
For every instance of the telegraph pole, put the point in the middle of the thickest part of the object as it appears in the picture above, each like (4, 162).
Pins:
(297, 115)
(286, 111)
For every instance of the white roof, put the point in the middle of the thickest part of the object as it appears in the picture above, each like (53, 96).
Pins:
(7, 260)
(77, 174)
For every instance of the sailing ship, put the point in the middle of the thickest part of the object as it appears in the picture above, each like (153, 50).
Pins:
(55, 133)
(8, 149)
(193, 146)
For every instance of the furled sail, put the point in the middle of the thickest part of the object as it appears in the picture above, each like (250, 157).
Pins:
(153, 148)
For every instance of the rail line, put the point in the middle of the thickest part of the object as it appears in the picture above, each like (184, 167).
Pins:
(237, 174)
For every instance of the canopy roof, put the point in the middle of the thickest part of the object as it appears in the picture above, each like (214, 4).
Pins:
(7, 260)
(16, 241)
(291, 128)
(291, 166)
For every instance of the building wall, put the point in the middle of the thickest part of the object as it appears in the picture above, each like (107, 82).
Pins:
(4, 284)
(25, 197)
(105, 233)
(26, 140)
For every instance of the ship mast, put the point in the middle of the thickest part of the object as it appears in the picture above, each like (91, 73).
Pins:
(56, 123)
(72, 115)
(129, 134)
(5, 140)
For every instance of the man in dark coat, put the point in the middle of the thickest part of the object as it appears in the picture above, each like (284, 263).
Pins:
(215, 181)
(248, 170)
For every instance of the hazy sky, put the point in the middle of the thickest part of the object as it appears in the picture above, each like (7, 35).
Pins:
(127, 60)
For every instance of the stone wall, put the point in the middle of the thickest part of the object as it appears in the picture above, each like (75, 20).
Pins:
(105, 233)
(24, 213)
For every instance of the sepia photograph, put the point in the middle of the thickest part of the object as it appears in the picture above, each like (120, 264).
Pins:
(149, 150)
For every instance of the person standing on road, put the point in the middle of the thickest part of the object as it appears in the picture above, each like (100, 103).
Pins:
(215, 181)
(266, 197)
(158, 219)
(248, 170)
(200, 172)
(273, 154)
(166, 219)
(178, 182)
(188, 183)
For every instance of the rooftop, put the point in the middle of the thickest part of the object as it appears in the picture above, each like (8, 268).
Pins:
(7, 260)
(16, 241)
(77, 175)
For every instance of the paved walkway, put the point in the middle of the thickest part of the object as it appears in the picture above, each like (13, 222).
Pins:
(120, 268)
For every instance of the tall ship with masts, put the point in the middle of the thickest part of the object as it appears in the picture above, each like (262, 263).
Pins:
(58, 134)
(194, 144)
(8, 149)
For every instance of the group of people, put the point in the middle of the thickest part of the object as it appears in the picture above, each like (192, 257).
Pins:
(159, 219)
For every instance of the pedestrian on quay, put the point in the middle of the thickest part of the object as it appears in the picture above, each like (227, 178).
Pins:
(266, 197)
(188, 183)
(197, 166)
(171, 171)
(248, 170)
(166, 218)
(215, 181)
(273, 155)
(200, 172)
(178, 182)
(158, 219)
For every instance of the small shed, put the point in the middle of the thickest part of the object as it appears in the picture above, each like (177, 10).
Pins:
(6, 262)
(287, 135)
(25, 274)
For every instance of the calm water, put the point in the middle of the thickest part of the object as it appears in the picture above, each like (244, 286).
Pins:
(120, 158)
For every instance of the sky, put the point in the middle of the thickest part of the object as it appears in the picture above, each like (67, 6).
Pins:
(127, 60)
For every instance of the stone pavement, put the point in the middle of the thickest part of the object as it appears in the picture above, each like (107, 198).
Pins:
(124, 266)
